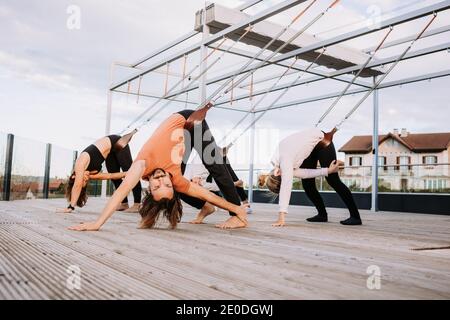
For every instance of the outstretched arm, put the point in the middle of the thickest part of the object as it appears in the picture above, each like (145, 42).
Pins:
(304, 174)
(203, 194)
(131, 179)
(313, 173)
(287, 175)
(108, 176)
(80, 167)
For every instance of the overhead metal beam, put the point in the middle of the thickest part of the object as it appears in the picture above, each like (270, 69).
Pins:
(168, 46)
(407, 17)
(390, 84)
(232, 109)
(213, 38)
(403, 40)
(413, 54)
(149, 95)
(320, 75)
(413, 15)
(410, 55)
(185, 37)
(248, 4)
(165, 72)
(247, 54)
(424, 77)
(336, 57)
(175, 100)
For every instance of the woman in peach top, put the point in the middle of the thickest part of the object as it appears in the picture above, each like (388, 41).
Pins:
(162, 161)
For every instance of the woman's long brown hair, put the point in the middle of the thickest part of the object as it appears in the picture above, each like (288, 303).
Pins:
(271, 181)
(82, 199)
(150, 210)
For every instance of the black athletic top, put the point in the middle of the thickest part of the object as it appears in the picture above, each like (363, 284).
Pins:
(96, 157)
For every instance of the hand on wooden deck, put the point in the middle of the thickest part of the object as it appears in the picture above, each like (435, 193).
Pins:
(88, 226)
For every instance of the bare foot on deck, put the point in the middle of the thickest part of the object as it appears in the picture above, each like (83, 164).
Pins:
(205, 211)
(133, 209)
(122, 207)
(232, 223)
(63, 210)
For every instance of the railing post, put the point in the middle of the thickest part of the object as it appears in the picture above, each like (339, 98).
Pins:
(108, 120)
(75, 156)
(48, 159)
(8, 167)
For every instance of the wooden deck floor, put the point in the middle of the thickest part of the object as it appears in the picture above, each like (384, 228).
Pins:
(300, 261)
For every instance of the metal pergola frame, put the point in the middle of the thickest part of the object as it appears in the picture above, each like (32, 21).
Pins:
(342, 75)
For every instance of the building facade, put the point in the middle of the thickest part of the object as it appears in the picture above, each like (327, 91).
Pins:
(408, 162)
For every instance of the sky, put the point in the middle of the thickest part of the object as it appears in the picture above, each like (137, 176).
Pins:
(54, 76)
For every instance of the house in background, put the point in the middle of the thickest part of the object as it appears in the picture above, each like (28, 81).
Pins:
(31, 187)
(408, 162)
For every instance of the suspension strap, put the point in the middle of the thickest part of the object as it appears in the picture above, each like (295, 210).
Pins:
(211, 100)
(167, 78)
(335, 102)
(214, 97)
(301, 73)
(378, 82)
(266, 93)
(181, 81)
(231, 96)
(139, 90)
(251, 88)
(249, 28)
(183, 77)
(128, 90)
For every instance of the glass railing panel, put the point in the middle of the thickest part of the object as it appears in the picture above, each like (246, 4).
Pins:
(28, 165)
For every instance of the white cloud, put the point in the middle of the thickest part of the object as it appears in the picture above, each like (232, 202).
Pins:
(13, 62)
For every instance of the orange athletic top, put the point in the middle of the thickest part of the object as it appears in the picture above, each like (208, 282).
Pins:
(165, 150)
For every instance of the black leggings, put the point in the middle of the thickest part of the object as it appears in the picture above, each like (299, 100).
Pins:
(122, 160)
(325, 157)
(240, 190)
(201, 139)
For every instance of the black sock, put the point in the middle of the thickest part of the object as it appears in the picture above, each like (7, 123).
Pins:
(318, 218)
(352, 222)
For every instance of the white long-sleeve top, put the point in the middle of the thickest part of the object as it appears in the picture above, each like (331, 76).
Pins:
(196, 169)
(289, 156)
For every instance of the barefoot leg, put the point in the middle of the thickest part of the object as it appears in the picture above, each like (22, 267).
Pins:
(232, 223)
(133, 209)
(203, 213)
(122, 207)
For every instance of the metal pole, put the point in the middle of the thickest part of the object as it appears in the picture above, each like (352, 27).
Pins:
(108, 121)
(252, 159)
(48, 159)
(203, 62)
(75, 156)
(8, 167)
(374, 206)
